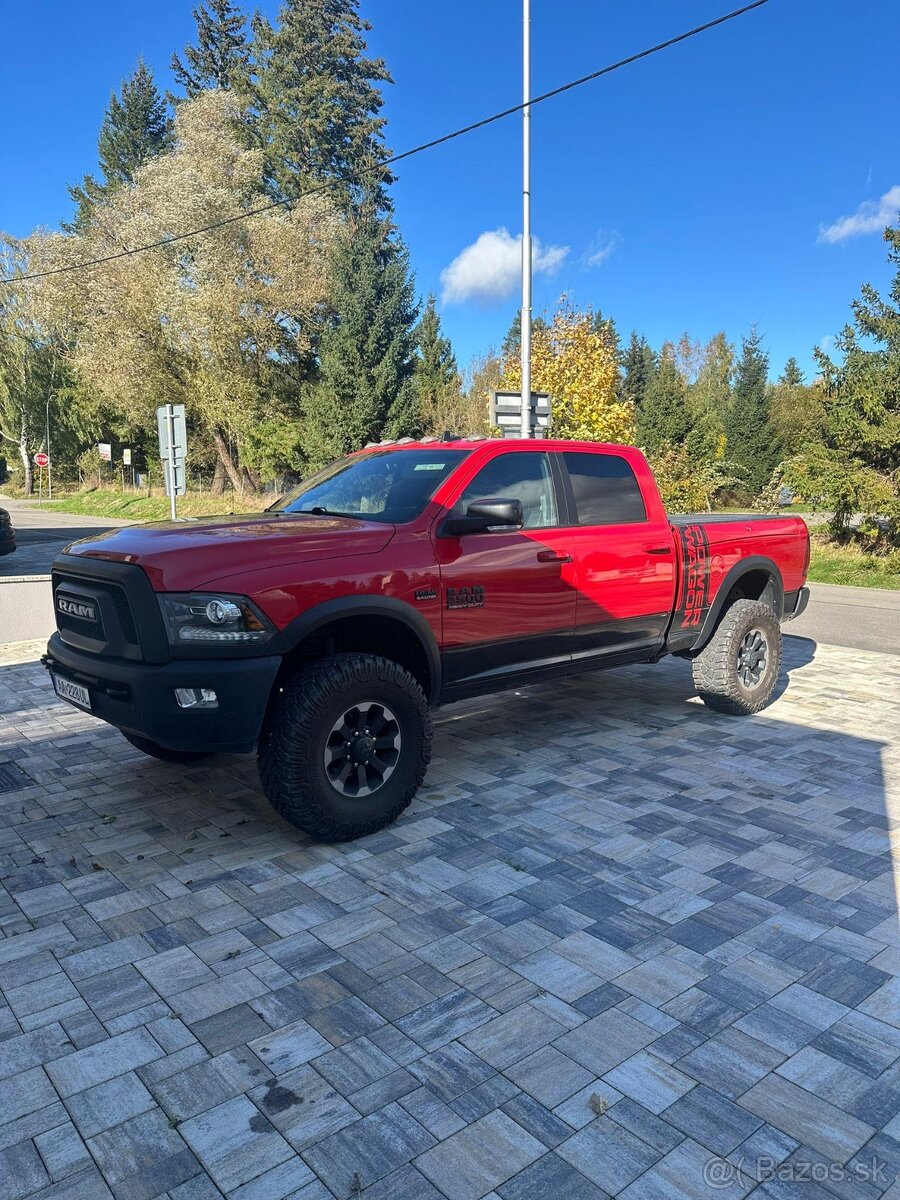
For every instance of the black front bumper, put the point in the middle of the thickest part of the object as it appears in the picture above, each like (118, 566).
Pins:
(140, 697)
(7, 540)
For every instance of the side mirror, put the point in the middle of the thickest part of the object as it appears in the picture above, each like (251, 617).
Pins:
(486, 516)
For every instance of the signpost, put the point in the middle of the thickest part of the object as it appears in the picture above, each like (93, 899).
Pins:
(507, 414)
(104, 449)
(41, 460)
(172, 427)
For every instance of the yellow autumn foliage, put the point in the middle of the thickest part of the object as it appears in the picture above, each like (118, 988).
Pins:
(576, 363)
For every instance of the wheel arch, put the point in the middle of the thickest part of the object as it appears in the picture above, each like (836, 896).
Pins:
(370, 624)
(756, 577)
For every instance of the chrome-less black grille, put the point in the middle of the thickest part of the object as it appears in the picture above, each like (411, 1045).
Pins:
(95, 615)
(108, 608)
(123, 612)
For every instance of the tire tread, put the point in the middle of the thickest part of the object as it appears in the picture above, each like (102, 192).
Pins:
(714, 668)
(291, 722)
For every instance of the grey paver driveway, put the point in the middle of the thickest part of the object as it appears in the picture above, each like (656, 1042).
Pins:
(621, 945)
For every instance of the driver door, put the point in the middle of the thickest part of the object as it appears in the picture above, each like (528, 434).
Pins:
(508, 597)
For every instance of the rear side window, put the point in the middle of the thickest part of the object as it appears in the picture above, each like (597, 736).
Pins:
(606, 491)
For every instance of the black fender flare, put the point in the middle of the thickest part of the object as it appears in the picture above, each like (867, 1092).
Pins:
(365, 606)
(755, 562)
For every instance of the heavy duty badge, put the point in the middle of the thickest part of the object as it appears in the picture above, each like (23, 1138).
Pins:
(471, 596)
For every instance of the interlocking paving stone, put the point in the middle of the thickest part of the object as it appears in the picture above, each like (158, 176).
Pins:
(103, 1061)
(142, 1156)
(550, 1176)
(368, 1149)
(468, 1164)
(667, 935)
(549, 1076)
(608, 1154)
(235, 1142)
(603, 1042)
(806, 1117)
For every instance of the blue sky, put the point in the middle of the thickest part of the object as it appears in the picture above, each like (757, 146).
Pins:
(700, 179)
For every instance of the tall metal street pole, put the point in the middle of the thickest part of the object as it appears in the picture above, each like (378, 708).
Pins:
(525, 321)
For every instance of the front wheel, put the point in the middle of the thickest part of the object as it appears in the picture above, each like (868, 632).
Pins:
(345, 746)
(736, 671)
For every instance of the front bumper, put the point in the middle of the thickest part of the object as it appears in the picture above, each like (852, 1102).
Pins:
(7, 540)
(140, 697)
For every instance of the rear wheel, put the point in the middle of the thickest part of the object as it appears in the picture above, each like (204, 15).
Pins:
(345, 746)
(737, 670)
(155, 750)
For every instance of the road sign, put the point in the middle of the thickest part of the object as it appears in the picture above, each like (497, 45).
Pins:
(173, 449)
(41, 459)
(126, 457)
(104, 449)
(506, 413)
(180, 478)
(179, 430)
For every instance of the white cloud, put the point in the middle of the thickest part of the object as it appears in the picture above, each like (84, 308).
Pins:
(871, 217)
(827, 343)
(601, 248)
(490, 269)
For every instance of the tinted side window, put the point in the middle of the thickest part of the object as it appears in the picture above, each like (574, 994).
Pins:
(606, 491)
(518, 475)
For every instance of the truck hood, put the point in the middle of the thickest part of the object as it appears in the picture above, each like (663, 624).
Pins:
(181, 556)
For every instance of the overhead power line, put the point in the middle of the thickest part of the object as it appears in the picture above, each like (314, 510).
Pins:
(356, 176)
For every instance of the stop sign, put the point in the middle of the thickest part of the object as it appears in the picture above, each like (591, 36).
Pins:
(42, 459)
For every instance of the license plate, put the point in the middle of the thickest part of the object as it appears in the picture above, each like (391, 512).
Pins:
(73, 692)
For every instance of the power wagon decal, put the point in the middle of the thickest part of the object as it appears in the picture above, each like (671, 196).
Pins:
(695, 597)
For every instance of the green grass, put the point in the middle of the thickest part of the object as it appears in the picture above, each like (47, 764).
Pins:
(134, 507)
(831, 563)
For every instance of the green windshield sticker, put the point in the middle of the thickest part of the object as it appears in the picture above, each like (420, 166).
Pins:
(429, 467)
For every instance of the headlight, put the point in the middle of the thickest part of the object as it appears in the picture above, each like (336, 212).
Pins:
(207, 619)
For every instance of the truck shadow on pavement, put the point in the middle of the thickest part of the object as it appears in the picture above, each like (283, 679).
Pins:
(692, 914)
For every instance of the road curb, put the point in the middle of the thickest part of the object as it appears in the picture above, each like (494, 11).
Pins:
(25, 579)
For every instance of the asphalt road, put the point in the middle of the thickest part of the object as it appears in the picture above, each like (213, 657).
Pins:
(26, 610)
(861, 618)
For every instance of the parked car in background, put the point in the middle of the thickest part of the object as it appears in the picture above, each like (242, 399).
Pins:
(402, 577)
(7, 533)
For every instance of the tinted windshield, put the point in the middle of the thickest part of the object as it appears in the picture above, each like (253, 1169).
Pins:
(384, 485)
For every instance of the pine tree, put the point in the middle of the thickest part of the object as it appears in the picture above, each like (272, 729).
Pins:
(366, 389)
(797, 411)
(316, 99)
(436, 371)
(512, 342)
(135, 128)
(662, 417)
(750, 439)
(221, 58)
(792, 376)
(639, 365)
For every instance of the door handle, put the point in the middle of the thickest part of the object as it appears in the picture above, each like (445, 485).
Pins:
(657, 549)
(553, 556)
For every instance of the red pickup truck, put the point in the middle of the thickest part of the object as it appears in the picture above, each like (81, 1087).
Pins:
(404, 576)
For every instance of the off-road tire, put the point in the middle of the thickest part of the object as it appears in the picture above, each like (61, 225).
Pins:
(296, 731)
(154, 750)
(716, 674)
